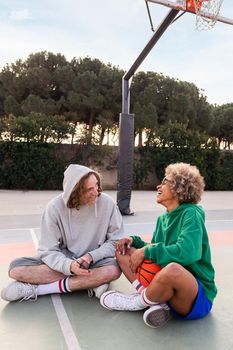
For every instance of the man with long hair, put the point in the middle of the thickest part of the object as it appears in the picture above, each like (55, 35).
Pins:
(79, 231)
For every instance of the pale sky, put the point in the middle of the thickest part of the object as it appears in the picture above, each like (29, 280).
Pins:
(116, 31)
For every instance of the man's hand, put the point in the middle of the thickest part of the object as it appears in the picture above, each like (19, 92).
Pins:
(124, 244)
(136, 258)
(85, 261)
(81, 265)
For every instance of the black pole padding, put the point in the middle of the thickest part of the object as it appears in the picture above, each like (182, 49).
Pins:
(125, 163)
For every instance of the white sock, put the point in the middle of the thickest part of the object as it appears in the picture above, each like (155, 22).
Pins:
(142, 299)
(139, 287)
(61, 286)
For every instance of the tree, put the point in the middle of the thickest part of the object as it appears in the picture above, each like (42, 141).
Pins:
(157, 99)
(223, 124)
(14, 82)
(143, 104)
(36, 127)
(34, 103)
(96, 96)
(11, 106)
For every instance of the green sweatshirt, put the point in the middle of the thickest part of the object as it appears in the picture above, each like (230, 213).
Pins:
(180, 236)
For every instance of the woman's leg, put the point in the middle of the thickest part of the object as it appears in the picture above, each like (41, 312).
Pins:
(176, 285)
(123, 261)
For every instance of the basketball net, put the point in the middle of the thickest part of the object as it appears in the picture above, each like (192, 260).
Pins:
(206, 12)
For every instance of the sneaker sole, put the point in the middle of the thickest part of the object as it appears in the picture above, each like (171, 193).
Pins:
(156, 318)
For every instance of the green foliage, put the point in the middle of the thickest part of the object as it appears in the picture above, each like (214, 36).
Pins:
(87, 91)
(158, 100)
(44, 98)
(39, 166)
(36, 127)
(176, 143)
(142, 168)
(94, 156)
(11, 106)
(223, 124)
(36, 166)
(83, 90)
(30, 166)
(225, 178)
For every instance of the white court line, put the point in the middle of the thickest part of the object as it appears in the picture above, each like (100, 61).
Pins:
(19, 229)
(34, 238)
(67, 330)
(66, 327)
(125, 224)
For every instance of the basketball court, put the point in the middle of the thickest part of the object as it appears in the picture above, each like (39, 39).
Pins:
(74, 321)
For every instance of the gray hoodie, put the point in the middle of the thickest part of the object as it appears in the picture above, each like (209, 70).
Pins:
(68, 233)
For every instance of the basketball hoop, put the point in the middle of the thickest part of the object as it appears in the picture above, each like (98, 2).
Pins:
(207, 12)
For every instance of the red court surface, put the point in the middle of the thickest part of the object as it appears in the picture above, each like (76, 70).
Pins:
(15, 250)
(216, 239)
(9, 251)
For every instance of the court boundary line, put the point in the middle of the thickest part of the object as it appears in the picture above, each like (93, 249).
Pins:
(125, 224)
(63, 319)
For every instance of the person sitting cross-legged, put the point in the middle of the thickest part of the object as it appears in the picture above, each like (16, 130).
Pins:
(79, 230)
(184, 288)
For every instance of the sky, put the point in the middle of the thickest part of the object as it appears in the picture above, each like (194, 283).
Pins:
(116, 31)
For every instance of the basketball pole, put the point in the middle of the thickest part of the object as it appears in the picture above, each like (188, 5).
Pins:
(126, 123)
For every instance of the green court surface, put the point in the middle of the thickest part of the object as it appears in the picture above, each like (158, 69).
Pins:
(74, 321)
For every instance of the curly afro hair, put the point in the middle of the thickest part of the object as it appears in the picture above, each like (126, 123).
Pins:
(186, 182)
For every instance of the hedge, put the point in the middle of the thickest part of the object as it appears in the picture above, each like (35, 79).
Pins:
(34, 166)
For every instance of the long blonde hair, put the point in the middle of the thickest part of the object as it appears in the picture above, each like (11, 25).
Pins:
(78, 192)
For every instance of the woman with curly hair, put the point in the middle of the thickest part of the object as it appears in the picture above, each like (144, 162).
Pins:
(184, 288)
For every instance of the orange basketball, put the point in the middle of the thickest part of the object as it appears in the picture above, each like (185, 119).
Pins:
(146, 271)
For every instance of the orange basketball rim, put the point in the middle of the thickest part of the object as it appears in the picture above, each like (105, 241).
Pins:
(193, 5)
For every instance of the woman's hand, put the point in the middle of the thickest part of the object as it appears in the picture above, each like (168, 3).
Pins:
(124, 244)
(136, 258)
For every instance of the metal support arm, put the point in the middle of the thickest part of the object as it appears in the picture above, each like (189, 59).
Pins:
(126, 126)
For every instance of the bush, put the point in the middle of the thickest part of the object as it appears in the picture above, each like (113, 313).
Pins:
(34, 166)
(40, 166)
(224, 178)
(30, 166)
(206, 161)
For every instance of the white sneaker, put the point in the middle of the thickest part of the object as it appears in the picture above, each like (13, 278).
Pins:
(157, 316)
(113, 300)
(19, 290)
(98, 291)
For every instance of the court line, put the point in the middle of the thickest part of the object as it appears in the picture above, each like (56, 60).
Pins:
(19, 229)
(63, 319)
(66, 327)
(34, 238)
(125, 224)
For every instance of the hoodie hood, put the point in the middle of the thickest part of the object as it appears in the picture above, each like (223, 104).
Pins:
(72, 176)
(182, 206)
